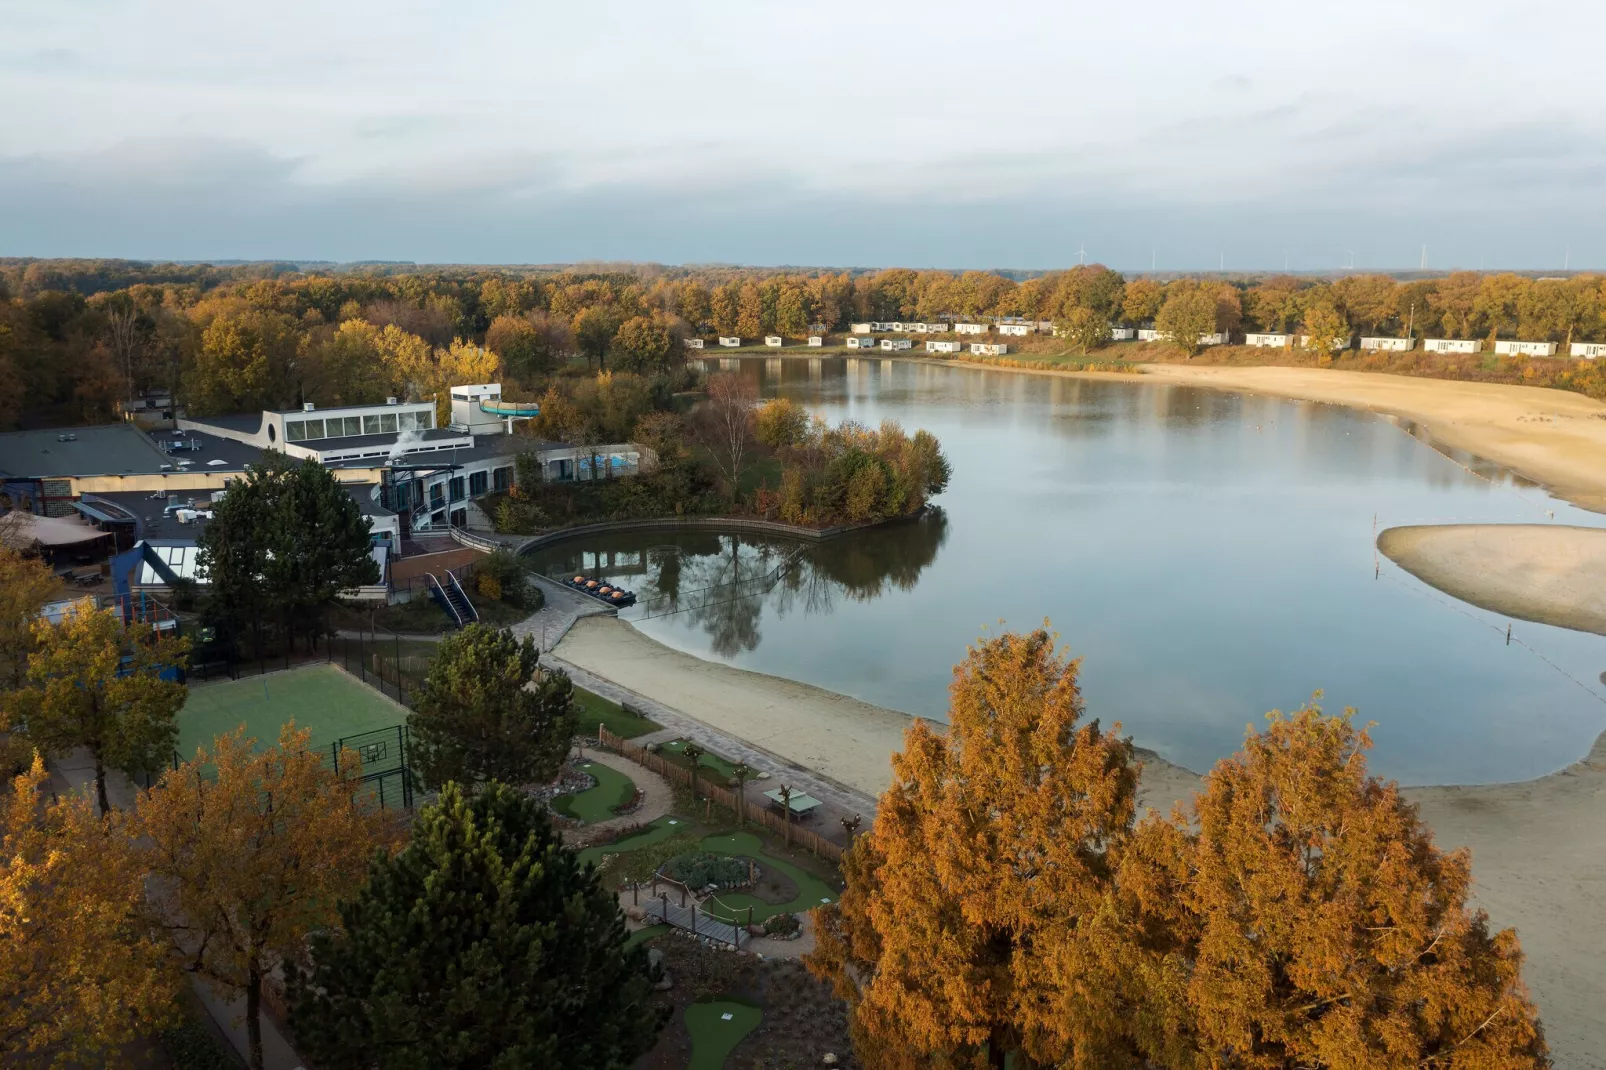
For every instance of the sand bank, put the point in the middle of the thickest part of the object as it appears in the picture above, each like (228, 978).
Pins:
(1552, 437)
(1552, 574)
(1539, 848)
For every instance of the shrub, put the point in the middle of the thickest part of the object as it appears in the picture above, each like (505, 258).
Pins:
(698, 869)
(501, 576)
(782, 925)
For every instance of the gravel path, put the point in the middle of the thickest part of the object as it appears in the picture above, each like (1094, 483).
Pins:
(658, 801)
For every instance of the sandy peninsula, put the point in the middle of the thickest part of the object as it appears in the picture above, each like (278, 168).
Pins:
(1553, 437)
(1553, 574)
(1539, 848)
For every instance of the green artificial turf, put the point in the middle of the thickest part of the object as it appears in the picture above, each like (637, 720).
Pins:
(732, 907)
(641, 936)
(320, 698)
(722, 766)
(661, 829)
(597, 803)
(594, 710)
(713, 1036)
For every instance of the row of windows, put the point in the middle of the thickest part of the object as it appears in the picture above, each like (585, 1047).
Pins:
(383, 423)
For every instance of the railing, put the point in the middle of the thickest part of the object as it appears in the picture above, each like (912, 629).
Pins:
(437, 589)
(467, 604)
(472, 541)
(803, 837)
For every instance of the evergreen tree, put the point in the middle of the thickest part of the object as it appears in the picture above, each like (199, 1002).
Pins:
(480, 717)
(281, 544)
(484, 943)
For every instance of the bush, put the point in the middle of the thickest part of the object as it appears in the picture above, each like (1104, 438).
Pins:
(698, 869)
(782, 925)
(500, 575)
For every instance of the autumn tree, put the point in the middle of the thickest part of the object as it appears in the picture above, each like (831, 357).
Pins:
(530, 346)
(642, 344)
(243, 363)
(486, 712)
(1142, 301)
(251, 850)
(1188, 314)
(725, 307)
(749, 311)
(80, 974)
(1299, 914)
(974, 922)
(1325, 329)
(26, 584)
(1084, 328)
(594, 329)
(724, 424)
(96, 684)
(780, 423)
(482, 943)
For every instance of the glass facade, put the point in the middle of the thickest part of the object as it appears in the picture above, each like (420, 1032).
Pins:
(309, 429)
(476, 483)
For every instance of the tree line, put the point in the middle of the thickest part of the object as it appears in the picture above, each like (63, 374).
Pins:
(78, 337)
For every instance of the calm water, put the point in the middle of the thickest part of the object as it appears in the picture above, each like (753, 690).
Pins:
(1209, 555)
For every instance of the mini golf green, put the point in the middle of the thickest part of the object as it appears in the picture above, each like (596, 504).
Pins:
(716, 1027)
(719, 765)
(597, 803)
(732, 907)
(641, 936)
(661, 829)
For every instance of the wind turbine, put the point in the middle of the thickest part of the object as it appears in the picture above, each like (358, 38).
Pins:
(1081, 254)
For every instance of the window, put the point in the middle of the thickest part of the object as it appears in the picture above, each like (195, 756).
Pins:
(370, 425)
(502, 478)
(387, 423)
(436, 494)
(476, 483)
(426, 420)
(295, 430)
(457, 488)
(314, 429)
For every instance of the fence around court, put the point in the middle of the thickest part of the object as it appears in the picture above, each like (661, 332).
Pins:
(803, 837)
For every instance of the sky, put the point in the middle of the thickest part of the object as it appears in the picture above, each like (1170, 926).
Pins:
(1247, 134)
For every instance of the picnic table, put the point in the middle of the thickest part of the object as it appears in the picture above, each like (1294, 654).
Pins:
(802, 804)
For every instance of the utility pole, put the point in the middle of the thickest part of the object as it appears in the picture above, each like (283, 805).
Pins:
(1223, 266)
(1567, 260)
(1151, 261)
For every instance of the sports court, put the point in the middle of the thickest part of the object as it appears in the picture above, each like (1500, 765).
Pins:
(321, 698)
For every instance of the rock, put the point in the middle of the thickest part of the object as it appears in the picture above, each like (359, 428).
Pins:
(829, 1058)
(665, 983)
(635, 913)
(756, 929)
(655, 957)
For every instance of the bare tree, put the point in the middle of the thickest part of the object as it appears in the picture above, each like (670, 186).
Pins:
(725, 424)
(122, 324)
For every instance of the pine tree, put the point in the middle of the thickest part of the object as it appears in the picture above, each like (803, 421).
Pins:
(480, 718)
(483, 943)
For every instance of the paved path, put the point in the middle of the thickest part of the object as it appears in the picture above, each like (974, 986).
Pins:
(557, 614)
(839, 800)
(658, 800)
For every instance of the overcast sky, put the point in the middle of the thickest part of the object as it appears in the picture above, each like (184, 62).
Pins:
(921, 133)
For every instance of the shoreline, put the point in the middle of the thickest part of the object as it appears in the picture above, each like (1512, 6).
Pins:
(1553, 438)
(1539, 846)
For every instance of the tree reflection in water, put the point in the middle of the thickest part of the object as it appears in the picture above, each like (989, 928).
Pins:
(723, 583)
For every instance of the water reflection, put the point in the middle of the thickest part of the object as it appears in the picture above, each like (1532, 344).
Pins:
(722, 585)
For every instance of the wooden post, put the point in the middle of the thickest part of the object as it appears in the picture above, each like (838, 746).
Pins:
(749, 911)
(694, 919)
(666, 907)
(683, 895)
(635, 895)
(708, 809)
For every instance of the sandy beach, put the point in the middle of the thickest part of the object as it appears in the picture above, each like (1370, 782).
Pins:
(1539, 848)
(1553, 574)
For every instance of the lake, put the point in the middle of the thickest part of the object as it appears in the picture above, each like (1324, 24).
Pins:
(1209, 555)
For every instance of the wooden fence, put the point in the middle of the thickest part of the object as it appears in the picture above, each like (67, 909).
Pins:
(803, 837)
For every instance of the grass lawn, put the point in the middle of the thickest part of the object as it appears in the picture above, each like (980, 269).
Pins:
(656, 833)
(597, 803)
(321, 698)
(811, 890)
(641, 936)
(675, 752)
(594, 710)
(716, 1027)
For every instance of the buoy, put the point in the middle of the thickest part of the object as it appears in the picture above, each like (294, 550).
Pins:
(579, 579)
(591, 583)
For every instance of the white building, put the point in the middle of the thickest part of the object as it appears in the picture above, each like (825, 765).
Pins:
(936, 328)
(773, 341)
(1339, 344)
(989, 349)
(1590, 350)
(729, 342)
(1391, 345)
(1451, 345)
(479, 409)
(860, 328)
(816, 340)
(1016, 330)
(858, 342)
(881, 327)
(1217, 339)
(1266, 341)
(1122, 334)
(896, 344)
(1148, 334)
(694, 343)
(1525, 349)
(970, 328)
(945, 347)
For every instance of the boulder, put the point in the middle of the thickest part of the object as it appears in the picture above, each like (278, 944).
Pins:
(635, 913)
(829, 1058)
(655, 957)
(665, 983)
(756, 929)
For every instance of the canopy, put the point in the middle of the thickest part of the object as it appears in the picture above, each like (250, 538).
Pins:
(800, 803)
(24, 531)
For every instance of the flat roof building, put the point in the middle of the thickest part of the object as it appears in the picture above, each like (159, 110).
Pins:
(773, 341)
(937, 346)
(1588, 350)
(816, 341)
(1122, 334)
(1452, 345)
(970, 328)
(1267, 341)
(1016, 330)
(1525, 349)
(896, 344)
(859, 342)
(1386, 344)
(989, 349)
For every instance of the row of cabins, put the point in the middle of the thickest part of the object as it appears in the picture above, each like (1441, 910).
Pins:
(899, 345)
(1504, 347)
(774, 341)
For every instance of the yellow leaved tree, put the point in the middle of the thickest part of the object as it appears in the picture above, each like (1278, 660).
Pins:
(251, 851)
(973, 924)
(80, 974)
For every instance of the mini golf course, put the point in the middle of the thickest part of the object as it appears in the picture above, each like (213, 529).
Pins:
(597, 802)
(733, 907)
(661, 829)
(716, 1027)
(714, 762)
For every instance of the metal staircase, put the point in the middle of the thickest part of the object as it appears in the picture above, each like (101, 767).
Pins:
(451, 597)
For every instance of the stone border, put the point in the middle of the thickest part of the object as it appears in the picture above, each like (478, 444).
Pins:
(739, 525)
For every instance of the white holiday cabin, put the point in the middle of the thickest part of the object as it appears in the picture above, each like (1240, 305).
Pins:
(1390, 345)
(1452, 345)
(1525, 349)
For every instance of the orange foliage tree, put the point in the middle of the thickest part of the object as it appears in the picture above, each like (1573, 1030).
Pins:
(1300, 915)
(974, 921)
